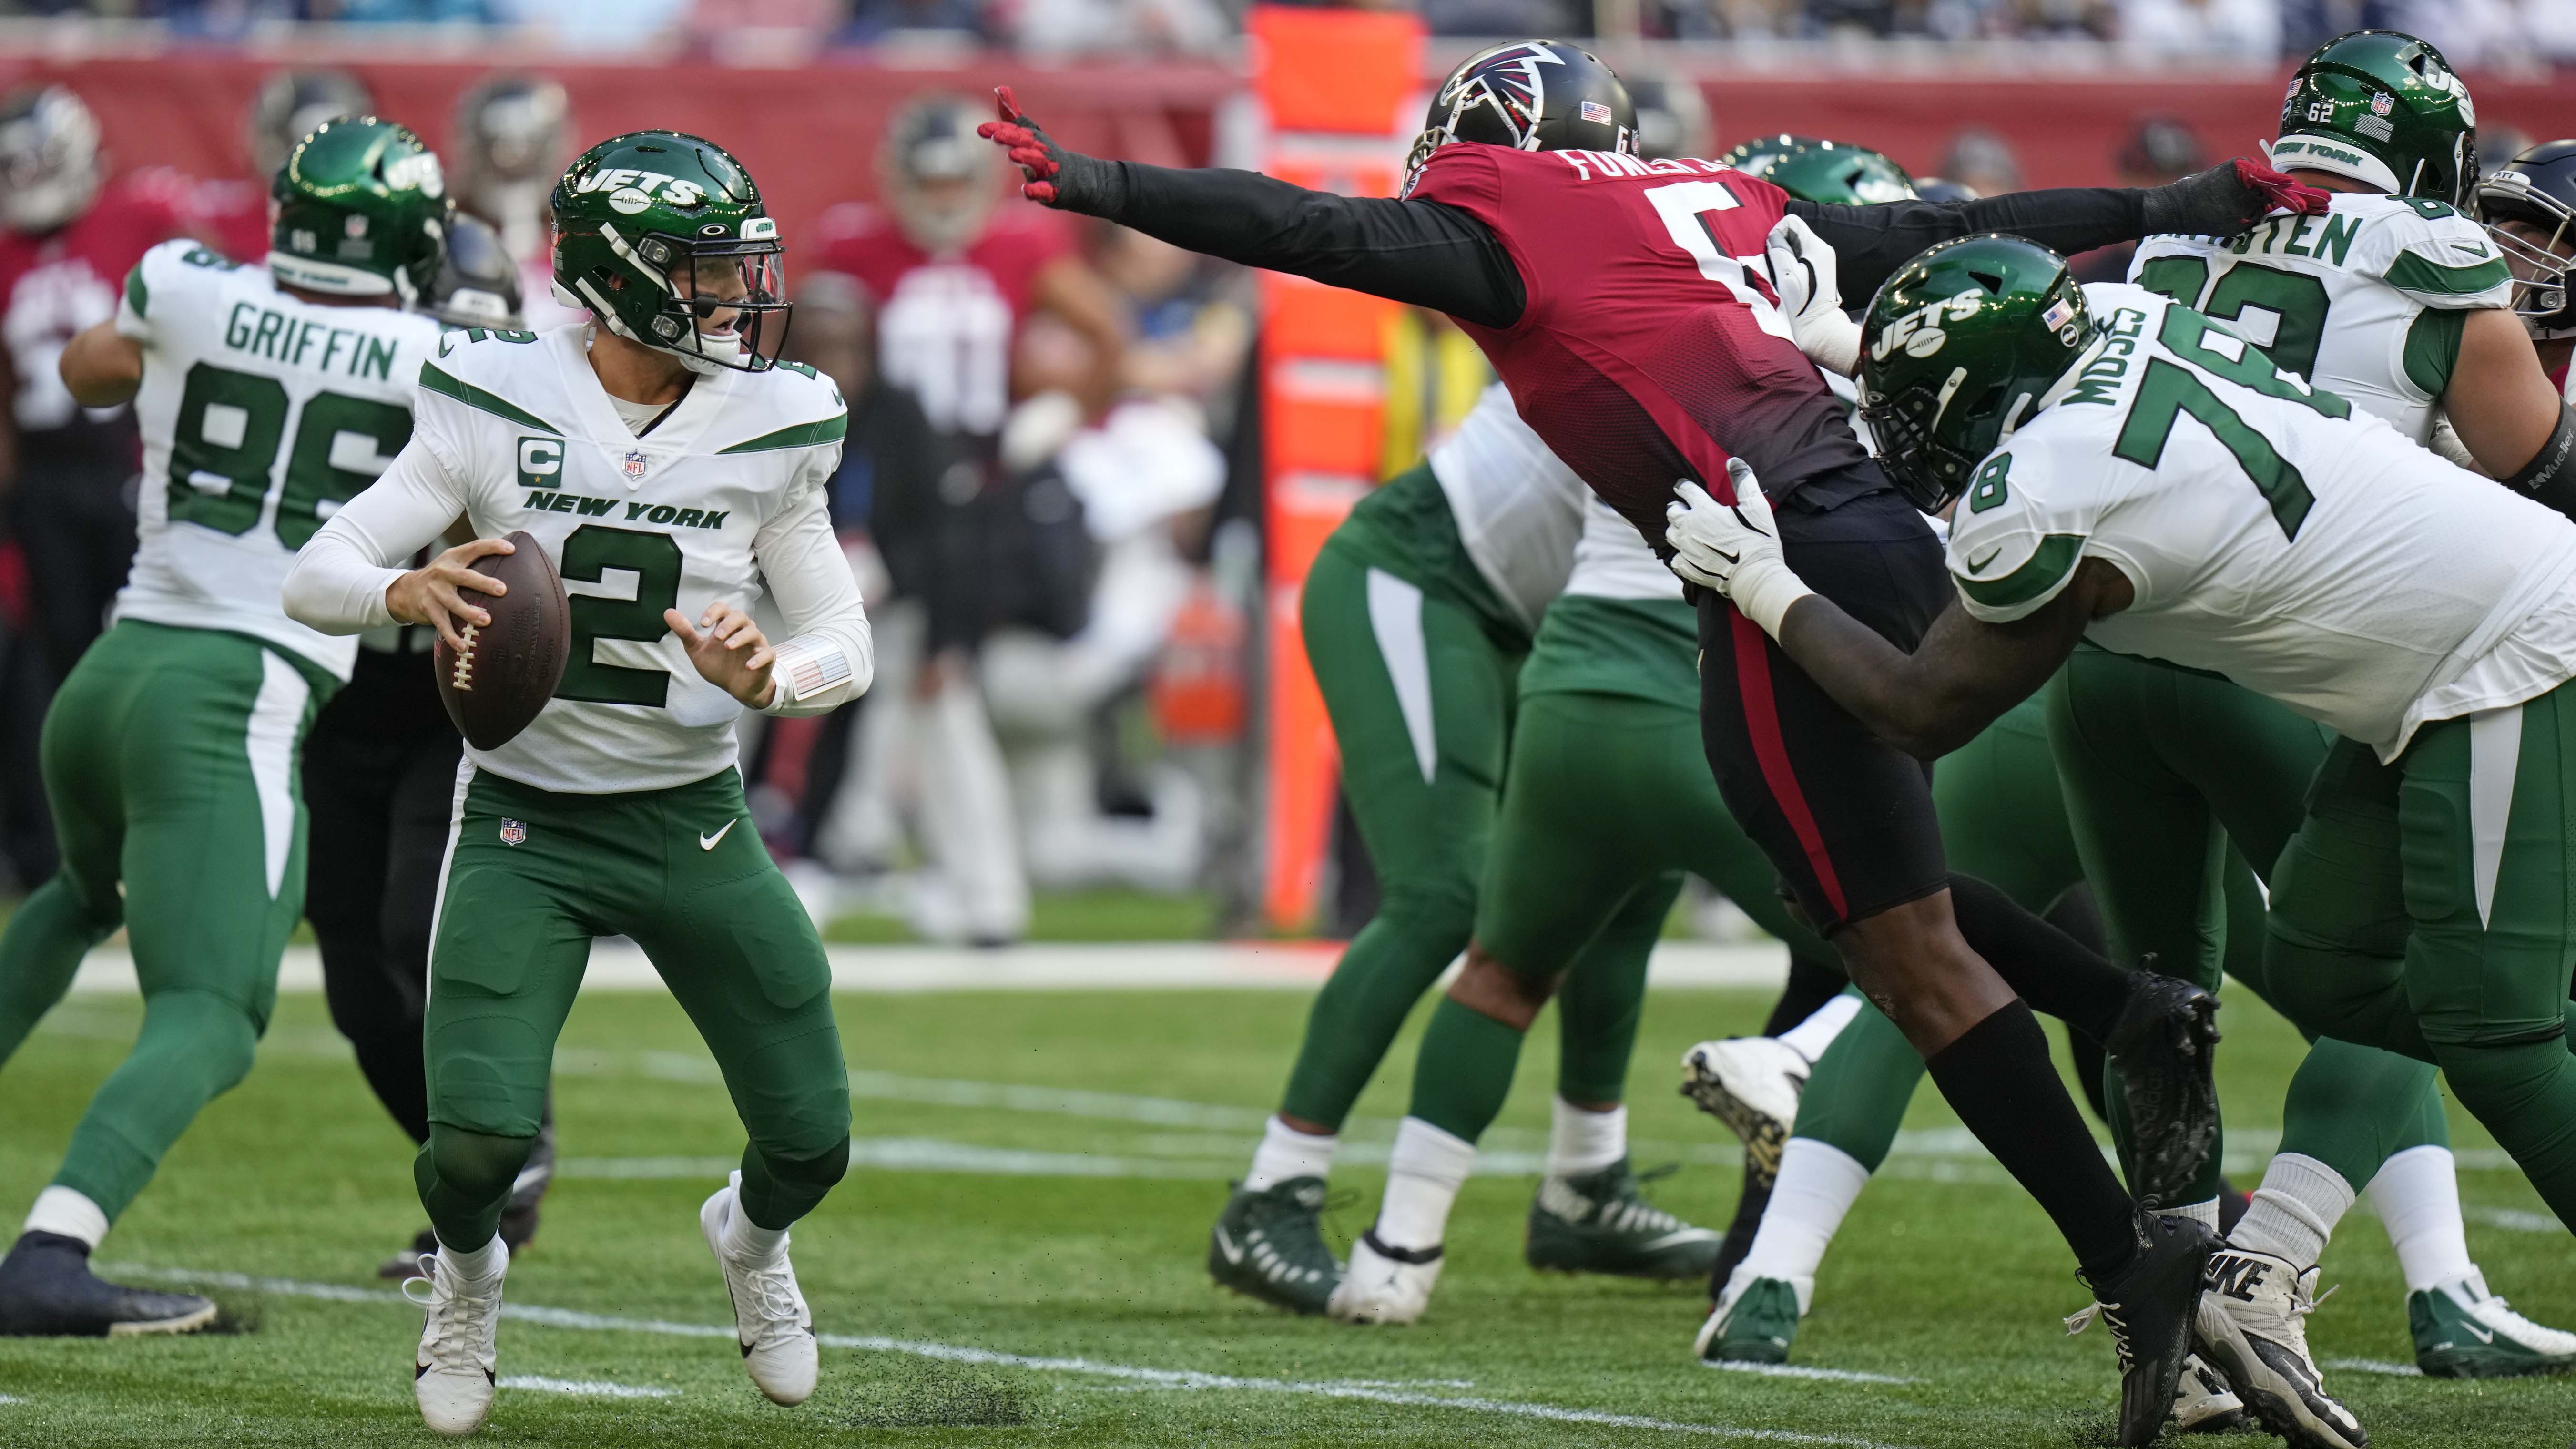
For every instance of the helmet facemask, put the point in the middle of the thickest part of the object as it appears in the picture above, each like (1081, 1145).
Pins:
(720, 302)
(49, 165)
(2544, 272)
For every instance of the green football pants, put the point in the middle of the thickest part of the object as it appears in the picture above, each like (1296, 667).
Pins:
(1420, 694)
(2001, 822)
(169, 760)
(1609, 800)
(2163, 769)
(2425, 907)
(532, 876)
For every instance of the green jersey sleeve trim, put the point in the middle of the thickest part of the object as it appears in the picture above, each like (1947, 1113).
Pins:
(2433, 348)
(2040, 575)
(474, 397)
(2412, 273)
(138, 295)
(803, 435)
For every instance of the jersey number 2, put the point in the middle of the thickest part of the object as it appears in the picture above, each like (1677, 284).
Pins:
(654, 559)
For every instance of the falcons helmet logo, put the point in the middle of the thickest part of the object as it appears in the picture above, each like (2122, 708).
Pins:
(1530, 95)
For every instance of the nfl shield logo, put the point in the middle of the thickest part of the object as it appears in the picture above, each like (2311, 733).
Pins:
(514, 832)
(634, 467)
(2382, 104)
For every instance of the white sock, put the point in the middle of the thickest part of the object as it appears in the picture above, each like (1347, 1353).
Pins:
(478, 1264)
(67, 1211)
(1809, 1038)
(1423, 1175)
(1286, 1153)
(1818, 1184)
(748, 1241)
(1579, 1141)
(2203, 1213)
(2294, 1211)
(2417, 1194)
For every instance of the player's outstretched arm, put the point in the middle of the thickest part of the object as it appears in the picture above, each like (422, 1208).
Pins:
(343, 581)
(2507, 412)
(102, 366)
(1417, 252)
(1874, 241)
(1961, 678)
(829, 657)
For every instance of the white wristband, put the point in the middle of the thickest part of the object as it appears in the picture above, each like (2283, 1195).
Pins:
(1832, 342)
(1764, 589)
(804, 667)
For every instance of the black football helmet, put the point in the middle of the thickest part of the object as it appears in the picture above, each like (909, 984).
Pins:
(478, 282)
(1530, 95)
(1672, 118)
(2538, 189)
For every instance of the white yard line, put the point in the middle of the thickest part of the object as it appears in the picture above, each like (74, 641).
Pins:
(2376, 1366)
(1108, 966)
(2513, 1220)
(583, 1388)
(1192, 1380)
(1803, 1371)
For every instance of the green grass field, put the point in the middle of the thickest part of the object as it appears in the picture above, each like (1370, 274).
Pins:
(1018, 1259)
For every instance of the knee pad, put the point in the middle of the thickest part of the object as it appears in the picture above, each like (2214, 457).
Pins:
(216, 1036)
(476, 1164)
(815, 1172)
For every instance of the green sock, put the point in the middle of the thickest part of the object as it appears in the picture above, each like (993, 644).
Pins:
(1857, 1096)
(1465, 1070)
(1604, 997)
(2350, 1107)
(464, 1180)
(1391, 962)
(193, 1048)
(39, 954)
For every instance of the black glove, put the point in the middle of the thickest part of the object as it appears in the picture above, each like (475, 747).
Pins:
(1052, 175)
(2226, 199)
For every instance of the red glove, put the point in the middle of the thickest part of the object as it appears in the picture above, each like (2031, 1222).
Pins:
(2285, 194)
(1037, 155)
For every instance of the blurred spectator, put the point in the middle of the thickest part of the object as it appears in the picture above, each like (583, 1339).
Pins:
(510, 144)
(1982, 161)
(231, 213)
(1507, 17)
(1189, 319)
(1125, 27)
(1672, 116)
(404, 12)
(871, 21)
(2159, 149)
(2247, 28)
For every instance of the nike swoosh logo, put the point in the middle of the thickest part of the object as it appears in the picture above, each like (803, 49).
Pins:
(1978, 565)
(1225, 1245)
(2483, 1335)
(708, 842)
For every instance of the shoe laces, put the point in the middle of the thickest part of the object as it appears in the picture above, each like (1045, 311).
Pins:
(453, 1332)
(2109, 1313)
(772, 1287)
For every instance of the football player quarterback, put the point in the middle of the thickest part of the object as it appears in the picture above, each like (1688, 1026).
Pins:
(268, 397)
(662, 442)
(2136, 474)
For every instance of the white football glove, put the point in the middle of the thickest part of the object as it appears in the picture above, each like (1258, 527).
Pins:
(1811, 296)
(1734, 548)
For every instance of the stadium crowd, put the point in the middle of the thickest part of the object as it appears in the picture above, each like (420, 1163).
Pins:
(2473, 32)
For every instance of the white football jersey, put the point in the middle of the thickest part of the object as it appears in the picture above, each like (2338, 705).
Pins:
(261, 414)
(2365, 301)
(2274, 533)
(1612, 561)
(674, 519)
(1518, 507)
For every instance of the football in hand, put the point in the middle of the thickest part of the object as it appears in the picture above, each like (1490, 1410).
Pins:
(509, 668)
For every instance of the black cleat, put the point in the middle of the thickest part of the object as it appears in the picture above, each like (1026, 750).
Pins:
(2165, 1044)
(2149, 1305)
(48, 1291)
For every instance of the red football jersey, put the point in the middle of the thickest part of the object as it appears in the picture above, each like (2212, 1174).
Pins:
(1649, 351)
(51, 288)
(946, 324)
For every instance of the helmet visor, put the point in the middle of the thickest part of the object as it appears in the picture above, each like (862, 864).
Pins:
(727, 303)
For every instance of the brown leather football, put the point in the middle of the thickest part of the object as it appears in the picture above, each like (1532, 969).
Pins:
(509, 668)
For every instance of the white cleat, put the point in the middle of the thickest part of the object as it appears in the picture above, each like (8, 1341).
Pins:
(452, 1377)
(2203, 1403)
(1752, 1084)
(1384, 1284)
(772, 1323)
(2251, 1327)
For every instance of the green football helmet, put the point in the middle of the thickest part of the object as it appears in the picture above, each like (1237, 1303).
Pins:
(360, 209)
(1826, 172)
(1956, 350)
(2384, 109)
(665, 240)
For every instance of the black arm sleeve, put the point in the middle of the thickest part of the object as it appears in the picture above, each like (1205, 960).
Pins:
(1416, 252)
(1871, 242)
